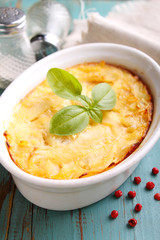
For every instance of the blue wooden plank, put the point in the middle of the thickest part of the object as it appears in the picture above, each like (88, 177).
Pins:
(149, 217)
(57, 225)
(6, 198)
(21, 219)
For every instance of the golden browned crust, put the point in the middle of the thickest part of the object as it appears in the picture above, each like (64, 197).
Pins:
(109, 143)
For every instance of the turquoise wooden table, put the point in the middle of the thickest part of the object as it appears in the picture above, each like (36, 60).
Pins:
(21, 220)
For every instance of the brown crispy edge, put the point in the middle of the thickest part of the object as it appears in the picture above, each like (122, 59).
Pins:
(132, 148)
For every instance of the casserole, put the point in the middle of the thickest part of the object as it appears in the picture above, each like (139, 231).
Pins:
(76, 193)
(97, 148)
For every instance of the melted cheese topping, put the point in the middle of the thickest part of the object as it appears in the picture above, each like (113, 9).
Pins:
(97, 148)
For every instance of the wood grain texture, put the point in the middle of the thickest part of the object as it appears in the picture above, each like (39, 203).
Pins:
(57, 225)
(20, 220)
(7, 189)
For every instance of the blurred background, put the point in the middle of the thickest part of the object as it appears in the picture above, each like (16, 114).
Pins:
(75, 5)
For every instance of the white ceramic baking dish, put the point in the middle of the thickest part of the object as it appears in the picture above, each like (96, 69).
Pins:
(72, 194)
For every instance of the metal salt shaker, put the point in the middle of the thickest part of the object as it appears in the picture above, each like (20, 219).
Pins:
(16, 53)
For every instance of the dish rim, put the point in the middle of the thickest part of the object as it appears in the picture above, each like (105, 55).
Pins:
(95, 179)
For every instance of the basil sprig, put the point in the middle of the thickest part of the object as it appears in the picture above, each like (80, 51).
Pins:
(73, 119)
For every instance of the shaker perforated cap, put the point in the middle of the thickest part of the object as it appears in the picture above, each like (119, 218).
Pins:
(12, 20)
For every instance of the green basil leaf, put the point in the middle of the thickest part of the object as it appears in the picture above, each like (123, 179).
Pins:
(104, 97)
(69, 120)
(86, 101)
(63, 84)
(96, 114)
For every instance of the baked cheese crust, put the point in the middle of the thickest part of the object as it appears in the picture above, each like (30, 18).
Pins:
(97, 148)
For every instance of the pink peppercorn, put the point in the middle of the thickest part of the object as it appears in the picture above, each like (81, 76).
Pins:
(138, 207)
(132, 222)
(137, 180)
(155, 171)
(131, 194)
(157, 196)
(150, 185)
(118, 193)
(114, 214)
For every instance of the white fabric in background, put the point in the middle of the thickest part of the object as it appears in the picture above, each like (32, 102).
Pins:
(135, 24)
